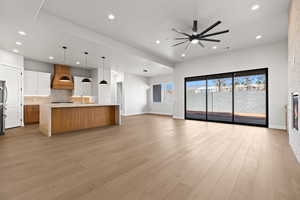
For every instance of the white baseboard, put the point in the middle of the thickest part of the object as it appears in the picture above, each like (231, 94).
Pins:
(160, 113)
(132, 114)
(280, 127)
(177, 117)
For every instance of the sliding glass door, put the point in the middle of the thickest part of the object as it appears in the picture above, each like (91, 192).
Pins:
(219, 98)
(196, 98)
(250, 94)
(236, 97)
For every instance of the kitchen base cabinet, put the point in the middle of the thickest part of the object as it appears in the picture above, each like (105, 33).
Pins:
(61, 118)
(31, 114)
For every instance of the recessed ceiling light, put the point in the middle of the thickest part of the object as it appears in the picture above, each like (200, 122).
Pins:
(16, 50)
(111, 17)
(183, 55)
(77, 63)
(214, 47)
(255, 7)
(258, 37)
(157, 42)
(51, 57)
(19, 43)
(22, 33)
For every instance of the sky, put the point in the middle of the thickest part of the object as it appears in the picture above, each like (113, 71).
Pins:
(228, 81)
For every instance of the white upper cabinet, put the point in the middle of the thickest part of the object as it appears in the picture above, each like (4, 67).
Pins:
(30, 83)
(82, 88)
(37, 83)
(44, 80)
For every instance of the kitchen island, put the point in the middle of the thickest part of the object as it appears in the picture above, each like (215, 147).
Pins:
(66, 117)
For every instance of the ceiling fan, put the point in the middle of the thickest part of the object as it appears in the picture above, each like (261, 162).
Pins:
(197, 38)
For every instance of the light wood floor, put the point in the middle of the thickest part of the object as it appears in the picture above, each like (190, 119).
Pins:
(149, 158)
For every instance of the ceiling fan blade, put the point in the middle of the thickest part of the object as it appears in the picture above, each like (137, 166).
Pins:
(181, 38)
(209, 28)
(187, 49)
(188, 46)
(201, 44)
(173, 29)
(209, 40)
(179, 43)
(212, 34)
(195, 26)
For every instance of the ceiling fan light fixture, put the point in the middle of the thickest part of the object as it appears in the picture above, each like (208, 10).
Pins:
(197, 37)
(195, 41)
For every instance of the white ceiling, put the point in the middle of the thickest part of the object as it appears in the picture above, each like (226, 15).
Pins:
(129, 40)
(141, 22)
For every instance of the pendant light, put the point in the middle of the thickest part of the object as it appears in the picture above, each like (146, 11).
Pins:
(86, 80)
(103, 82)
(65, 78)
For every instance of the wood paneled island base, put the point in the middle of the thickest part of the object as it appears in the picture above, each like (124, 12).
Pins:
(60, 118)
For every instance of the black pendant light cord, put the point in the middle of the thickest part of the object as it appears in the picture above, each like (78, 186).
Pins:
(64, 78)
(86, 80)
(103, 67)
(65, 49)
(103, 82)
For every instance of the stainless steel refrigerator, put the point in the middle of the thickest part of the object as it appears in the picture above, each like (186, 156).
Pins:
(3, 101)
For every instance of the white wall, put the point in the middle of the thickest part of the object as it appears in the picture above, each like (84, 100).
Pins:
(135, 94)
(165, 107)
(34, 65)
(272, 56)
(294, 71)
(11, 59)
(95, 85)
(104, 91)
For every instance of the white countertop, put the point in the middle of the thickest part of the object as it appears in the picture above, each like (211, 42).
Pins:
(68, 105)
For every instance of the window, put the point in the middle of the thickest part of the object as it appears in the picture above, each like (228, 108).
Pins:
(169, 92)
(156, 93)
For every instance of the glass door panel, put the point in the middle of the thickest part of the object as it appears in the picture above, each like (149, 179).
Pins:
(250, 94)
(195, 99)
(219, 98)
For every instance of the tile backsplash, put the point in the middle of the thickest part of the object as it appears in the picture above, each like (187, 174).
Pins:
(57, 96)
(61, 95)
(36, 100)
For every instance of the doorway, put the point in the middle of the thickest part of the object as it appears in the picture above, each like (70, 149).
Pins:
(120, 96)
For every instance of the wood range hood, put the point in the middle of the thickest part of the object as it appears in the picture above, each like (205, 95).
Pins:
(62, 72)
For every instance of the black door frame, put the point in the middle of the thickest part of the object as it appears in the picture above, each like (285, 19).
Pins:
(205, 77)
